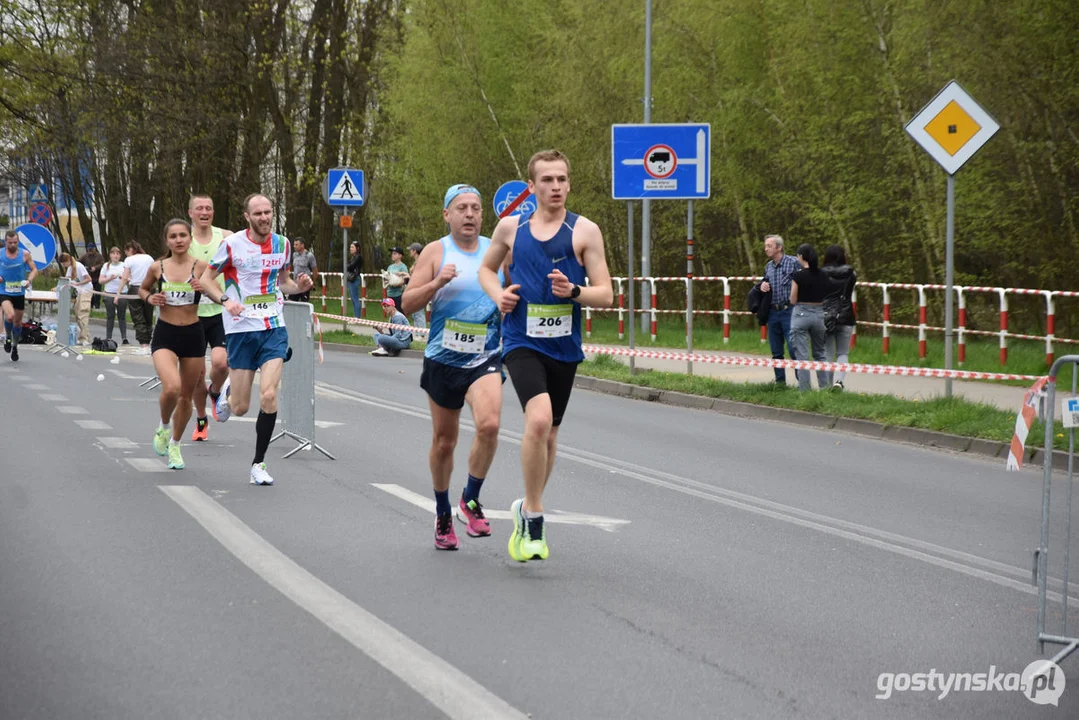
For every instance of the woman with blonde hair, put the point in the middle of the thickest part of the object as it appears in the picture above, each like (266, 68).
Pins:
(178, 345)
(80, 279)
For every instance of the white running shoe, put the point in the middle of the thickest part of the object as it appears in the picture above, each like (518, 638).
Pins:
(379, 352)
(222, 410)
(259, 476)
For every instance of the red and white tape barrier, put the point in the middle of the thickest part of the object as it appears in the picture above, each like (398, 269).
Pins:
(1023, 422)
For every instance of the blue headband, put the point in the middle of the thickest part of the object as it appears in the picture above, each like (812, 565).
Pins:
(456, 190)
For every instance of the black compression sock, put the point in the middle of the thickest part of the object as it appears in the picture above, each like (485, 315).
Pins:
(263, 432)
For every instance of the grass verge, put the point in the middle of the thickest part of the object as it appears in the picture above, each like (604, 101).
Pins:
(956, 416)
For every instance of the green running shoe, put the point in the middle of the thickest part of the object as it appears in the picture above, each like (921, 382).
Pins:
(161, 441)
(176, 461)
(518, 533)
(532, 547)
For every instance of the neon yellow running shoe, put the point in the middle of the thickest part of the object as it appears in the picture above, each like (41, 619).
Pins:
(176, 461)
(161, 441)
(518, 533)
(534, 548)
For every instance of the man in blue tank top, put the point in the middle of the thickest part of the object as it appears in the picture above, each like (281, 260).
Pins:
(549, 255)
(17, 272)
(463, 362)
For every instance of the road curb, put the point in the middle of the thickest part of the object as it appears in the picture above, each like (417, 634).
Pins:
(850, 426)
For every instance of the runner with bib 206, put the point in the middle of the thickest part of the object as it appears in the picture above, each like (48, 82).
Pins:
(549, 255)
(462, 363)
(255, 265)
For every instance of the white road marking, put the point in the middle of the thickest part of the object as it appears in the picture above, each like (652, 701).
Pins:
(936, 555)
(73, 410)
(19, 378)
(93, 425)
(444, 686)
(117, 443)
(148, 465)
(36, 386)
(554, 516)
(47, 397)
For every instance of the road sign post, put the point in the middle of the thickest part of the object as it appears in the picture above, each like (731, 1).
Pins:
(664, 162)
(514, 198)
(951, 128)
(345, 188)
(39, 241)
(40, 214)
(629, 281)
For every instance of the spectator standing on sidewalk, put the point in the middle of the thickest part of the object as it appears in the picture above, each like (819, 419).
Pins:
(395, 276)
(94, 261)
(352, 275)
(838, 306)
(303, 263)
(397, 339)
(809, 287)
(136, 265)
(84, 289)
(111, 273)
(777, 280)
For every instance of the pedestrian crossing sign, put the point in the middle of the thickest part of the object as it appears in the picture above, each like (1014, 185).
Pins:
(38, 194)
(345, 187)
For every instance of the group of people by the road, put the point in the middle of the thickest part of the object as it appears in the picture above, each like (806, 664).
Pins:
(807, 304)
(510, 300)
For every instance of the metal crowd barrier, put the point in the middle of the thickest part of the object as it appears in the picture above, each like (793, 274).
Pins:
(1041, 554)
(296, 397)
(63, 318)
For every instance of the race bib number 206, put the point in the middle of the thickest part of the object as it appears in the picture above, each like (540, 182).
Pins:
(549, 321)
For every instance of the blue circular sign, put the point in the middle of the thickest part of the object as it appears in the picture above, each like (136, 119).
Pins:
(508, 193)
(39, 241)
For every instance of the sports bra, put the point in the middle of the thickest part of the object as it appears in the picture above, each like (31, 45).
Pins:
(178, 294)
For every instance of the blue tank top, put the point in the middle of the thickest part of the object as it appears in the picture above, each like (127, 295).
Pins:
(14, 271)
(466, 326)
(539, 321)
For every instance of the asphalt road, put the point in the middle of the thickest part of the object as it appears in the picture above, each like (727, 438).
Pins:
(702, 566)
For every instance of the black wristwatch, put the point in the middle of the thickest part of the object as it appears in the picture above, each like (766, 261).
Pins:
(575, 292)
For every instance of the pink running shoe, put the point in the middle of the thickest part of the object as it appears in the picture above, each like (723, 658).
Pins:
(445, 536)
(471, 513)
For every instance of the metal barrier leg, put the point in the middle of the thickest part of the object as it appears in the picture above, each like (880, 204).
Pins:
(297, 393)
(1041, 554)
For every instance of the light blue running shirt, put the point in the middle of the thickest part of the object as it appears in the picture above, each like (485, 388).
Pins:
(466, 326)
(12, 272)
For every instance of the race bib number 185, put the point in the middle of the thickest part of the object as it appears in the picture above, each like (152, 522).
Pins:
(464, 337)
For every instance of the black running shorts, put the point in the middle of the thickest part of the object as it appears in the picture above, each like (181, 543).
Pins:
(534, 373)
(187, 341)
(18, 302)
(213, 328)
(447, 385)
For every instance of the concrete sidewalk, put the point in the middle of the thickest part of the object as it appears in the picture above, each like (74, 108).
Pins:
(1005, 397)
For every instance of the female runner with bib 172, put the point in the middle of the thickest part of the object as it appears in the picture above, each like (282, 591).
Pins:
(178, 346)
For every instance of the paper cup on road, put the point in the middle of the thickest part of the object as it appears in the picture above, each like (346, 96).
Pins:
(115, 361)
(78, 357)
(64, 354)
(100, 378)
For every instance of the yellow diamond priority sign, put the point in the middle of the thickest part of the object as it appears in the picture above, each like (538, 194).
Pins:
(952, 127)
